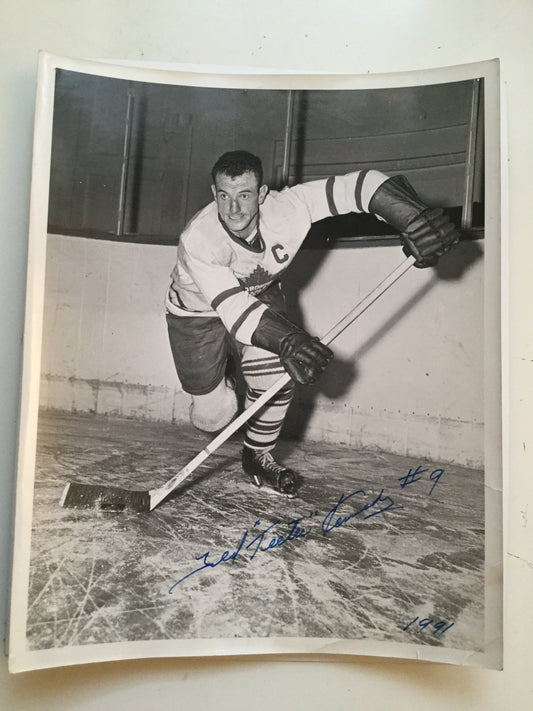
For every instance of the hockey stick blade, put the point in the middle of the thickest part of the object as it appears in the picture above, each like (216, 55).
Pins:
(104, 498)
(115, 499)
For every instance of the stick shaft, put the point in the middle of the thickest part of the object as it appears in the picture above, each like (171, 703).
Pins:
(157, 495)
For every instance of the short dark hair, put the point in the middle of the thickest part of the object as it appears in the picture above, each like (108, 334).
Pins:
(235, 163)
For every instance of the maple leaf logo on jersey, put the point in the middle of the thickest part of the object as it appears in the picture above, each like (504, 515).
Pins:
(257, 281)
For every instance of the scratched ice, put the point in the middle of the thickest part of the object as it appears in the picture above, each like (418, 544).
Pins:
(99, 577)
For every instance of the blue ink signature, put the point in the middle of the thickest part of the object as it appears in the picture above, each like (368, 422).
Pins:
(256, 545)
(296, 531)
(274, 536)
(328, 524)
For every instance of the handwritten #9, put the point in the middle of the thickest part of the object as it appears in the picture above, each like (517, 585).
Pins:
(257, 539)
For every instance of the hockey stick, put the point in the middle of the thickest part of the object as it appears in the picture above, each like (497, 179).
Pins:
(111, 498)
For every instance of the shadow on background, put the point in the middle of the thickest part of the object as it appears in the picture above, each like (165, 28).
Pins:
(341, 375)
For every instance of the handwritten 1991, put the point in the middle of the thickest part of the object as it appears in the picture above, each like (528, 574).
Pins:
(437, 628)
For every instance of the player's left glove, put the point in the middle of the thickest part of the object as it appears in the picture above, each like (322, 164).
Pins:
(426, 233)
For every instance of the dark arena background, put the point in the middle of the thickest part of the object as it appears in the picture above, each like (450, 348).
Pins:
(398, 417)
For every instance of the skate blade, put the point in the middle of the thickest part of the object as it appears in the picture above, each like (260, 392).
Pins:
(270, 490)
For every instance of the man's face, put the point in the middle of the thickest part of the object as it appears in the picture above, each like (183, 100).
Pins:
(238, 200)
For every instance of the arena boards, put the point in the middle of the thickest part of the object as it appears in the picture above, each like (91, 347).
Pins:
(392, 546)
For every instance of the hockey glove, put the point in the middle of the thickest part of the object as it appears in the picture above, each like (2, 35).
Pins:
(303, 357)
(426, 233)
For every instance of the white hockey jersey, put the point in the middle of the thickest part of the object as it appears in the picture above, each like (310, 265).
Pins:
(217, 273)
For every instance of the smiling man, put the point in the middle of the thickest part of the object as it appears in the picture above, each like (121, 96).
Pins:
(226, 296)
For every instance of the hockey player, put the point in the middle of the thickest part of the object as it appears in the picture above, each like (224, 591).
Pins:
(226, 293)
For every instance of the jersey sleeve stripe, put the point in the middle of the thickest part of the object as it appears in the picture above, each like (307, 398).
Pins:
(225, 295)
(245, 314)
(247, 330)
(330, 182)
(359, 190)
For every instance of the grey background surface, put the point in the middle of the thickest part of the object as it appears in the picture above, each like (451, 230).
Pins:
(340, 36)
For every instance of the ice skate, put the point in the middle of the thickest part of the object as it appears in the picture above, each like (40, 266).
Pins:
(263, 469)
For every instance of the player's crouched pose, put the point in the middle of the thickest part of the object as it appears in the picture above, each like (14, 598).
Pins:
(226, 293)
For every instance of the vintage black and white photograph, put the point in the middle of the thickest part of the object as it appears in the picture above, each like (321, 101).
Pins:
(262, 399)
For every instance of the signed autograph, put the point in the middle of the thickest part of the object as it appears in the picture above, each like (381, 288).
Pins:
(254, 542)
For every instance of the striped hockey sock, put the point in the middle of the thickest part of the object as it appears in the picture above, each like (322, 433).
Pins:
(264, 427)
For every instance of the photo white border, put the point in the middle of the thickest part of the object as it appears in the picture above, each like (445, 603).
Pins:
(20, 658)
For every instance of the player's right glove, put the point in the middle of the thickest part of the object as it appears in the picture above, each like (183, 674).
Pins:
(426, 233)
(303, 356)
